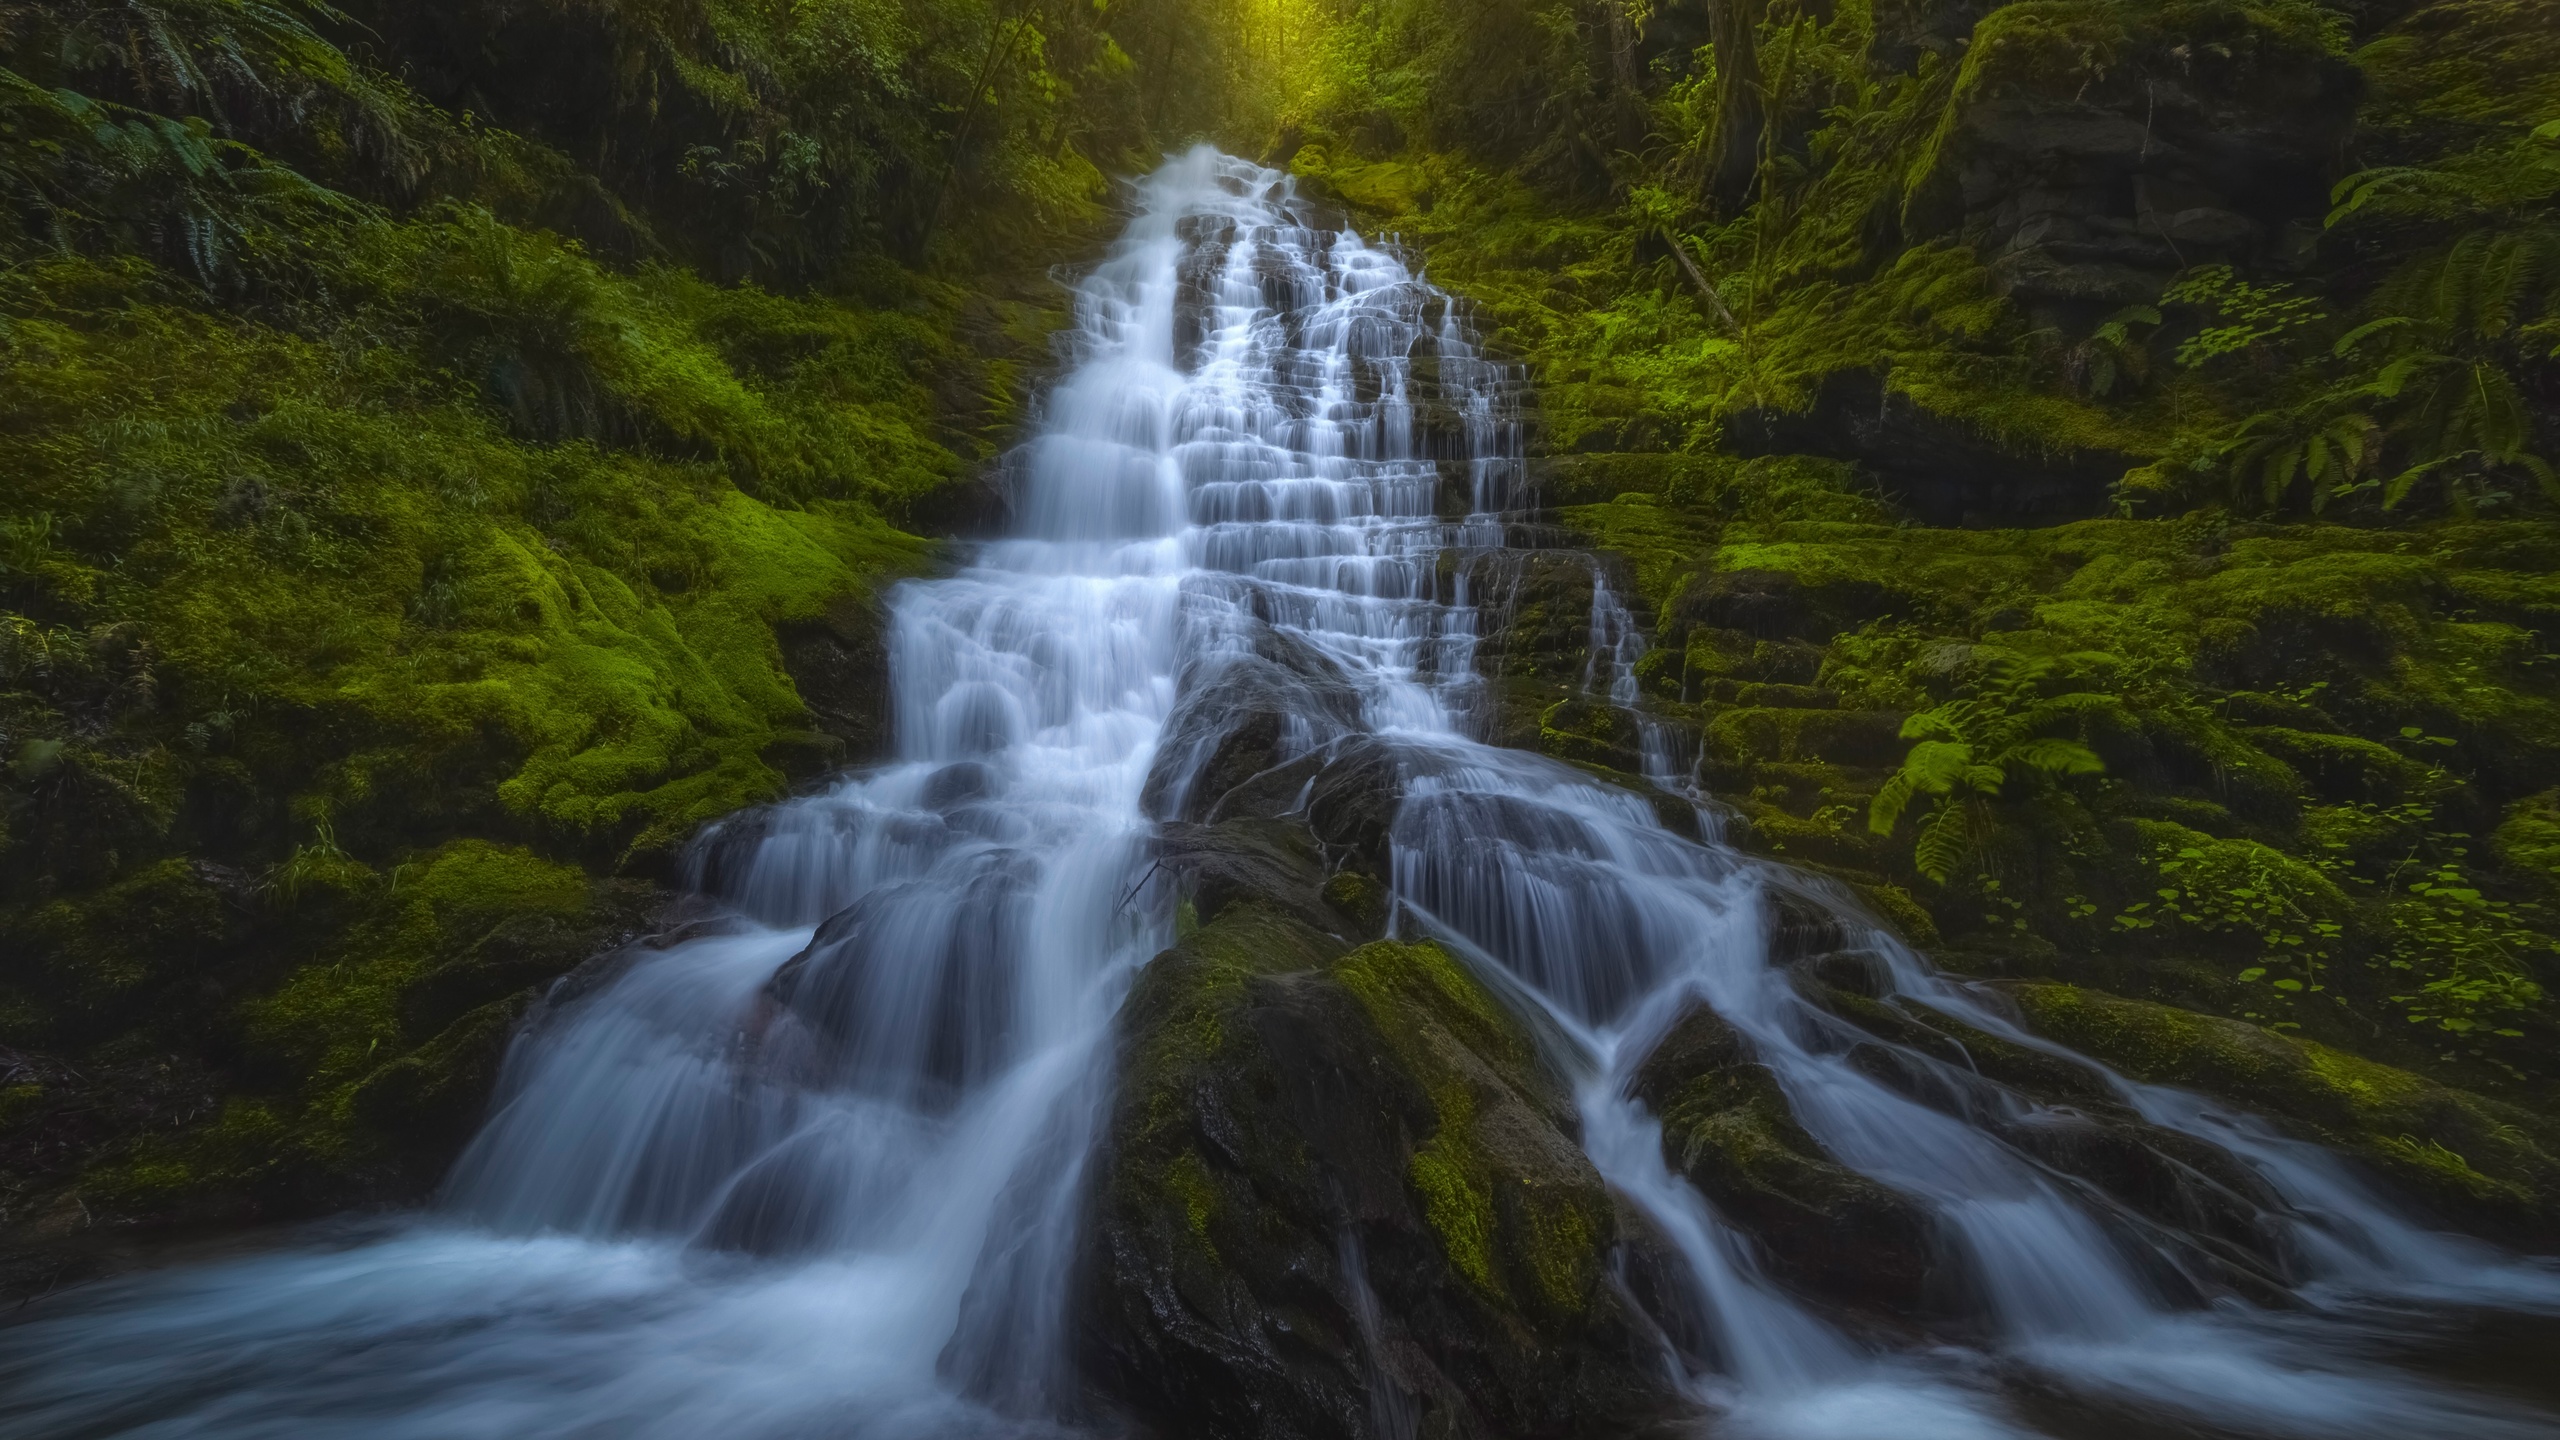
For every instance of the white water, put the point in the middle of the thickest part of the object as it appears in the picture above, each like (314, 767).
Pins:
(731, 1193)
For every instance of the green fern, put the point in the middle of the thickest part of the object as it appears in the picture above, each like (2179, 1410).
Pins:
(1971, 749)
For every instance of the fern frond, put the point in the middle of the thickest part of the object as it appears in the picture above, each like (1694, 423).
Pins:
(2057, 757)
(1943, 843)
(1935, 766)
(1885, 811)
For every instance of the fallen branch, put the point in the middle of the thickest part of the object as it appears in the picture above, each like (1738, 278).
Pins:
(1698, 277)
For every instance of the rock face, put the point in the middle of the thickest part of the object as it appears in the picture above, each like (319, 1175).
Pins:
(840, 664)
(2093, 152)
(1880, 1257)
(1340, 1197)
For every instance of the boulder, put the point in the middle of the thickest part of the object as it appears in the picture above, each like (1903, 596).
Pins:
(1340, 1194)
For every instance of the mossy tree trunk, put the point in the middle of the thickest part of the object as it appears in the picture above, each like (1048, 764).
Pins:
(1742, 102)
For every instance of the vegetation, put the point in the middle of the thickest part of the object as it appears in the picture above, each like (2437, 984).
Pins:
(2243, 748)
(419, 422)
(2087, 467)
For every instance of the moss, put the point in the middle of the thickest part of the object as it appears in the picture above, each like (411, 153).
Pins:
(1189, 1180)
(2528, 840)
(1390, 976)
(2453, 1146)
(88, 961)
(1457, 1193)
(17, 1102)
(1357, 895)
(1517, 1229)
(1182, 1011)
(1907, 915)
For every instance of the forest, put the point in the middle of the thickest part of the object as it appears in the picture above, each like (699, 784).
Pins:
(2079, 475)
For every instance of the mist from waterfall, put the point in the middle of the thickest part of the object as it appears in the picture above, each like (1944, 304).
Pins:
(814, 1165)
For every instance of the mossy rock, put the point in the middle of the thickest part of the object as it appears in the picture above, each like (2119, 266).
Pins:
(1289, 1110)
(90, 963)
(1824, 1229)
(2475, 1163)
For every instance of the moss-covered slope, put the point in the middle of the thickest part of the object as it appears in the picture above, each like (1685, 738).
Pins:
(2040, 480)
(452, 455)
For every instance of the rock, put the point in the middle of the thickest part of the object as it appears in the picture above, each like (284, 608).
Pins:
(1823, 1228)
(431, 1099)
(1305, 1138)
(2092, 150)
(2474, 1163)
(2190, 1199)
(840, 662)
(1272, 793)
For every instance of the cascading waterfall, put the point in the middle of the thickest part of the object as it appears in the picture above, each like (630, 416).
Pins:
(815, 1167)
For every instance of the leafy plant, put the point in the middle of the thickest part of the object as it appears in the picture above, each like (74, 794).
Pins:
(2241, 317)
(2284, 908)
(2113, 354)
(1974, 747)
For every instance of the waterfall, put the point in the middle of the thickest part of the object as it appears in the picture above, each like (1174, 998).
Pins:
(814, 1167)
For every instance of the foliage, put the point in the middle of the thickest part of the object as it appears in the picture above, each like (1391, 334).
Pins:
(1972, 747)
(421, 423)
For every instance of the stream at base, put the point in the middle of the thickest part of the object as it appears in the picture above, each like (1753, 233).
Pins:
(816, 1167)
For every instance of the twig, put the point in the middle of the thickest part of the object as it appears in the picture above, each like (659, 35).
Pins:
(1134, 889)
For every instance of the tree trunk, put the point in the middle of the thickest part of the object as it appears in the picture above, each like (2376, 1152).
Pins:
(1742, 102)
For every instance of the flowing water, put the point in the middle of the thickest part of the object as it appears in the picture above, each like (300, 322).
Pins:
(815, 1167)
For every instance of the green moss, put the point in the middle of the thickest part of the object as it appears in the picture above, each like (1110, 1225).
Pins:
(2528, 840)
(1907, 915)
(1389, 976)
(1357, 895)
(2434, 1137)
(1457, 1194)
(1519, 1229)
(1202, 979)
(17, 1102)
(1189, 1180)
(88, 960)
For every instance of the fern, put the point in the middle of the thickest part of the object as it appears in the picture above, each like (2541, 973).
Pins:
(2420, 395)
(1973, 748)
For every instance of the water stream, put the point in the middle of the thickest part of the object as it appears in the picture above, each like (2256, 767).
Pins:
(815, 1167)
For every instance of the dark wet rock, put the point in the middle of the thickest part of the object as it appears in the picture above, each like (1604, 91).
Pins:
(1298, 1126)
(840, 662)
(2190, 1199)
(1237, 718)
(2202, 1207)
(1272, 793)
(1804, 928)
(905, 984)
(1823, 1228)
(1254, 861)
